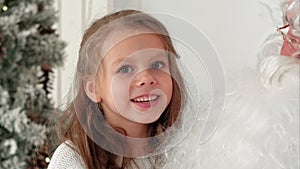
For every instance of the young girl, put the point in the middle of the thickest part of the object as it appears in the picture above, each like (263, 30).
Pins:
(128, 91)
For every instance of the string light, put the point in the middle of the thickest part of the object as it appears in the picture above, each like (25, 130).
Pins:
(47, 159)
(4, 8)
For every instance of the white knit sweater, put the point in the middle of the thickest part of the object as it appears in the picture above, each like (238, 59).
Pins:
(65, 157)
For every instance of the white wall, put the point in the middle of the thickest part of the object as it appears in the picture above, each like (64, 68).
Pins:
(234, 27)
(74, 18)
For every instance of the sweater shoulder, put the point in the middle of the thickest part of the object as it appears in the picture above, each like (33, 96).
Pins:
(66, 157)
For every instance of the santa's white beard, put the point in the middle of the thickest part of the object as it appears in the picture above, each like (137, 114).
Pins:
(259, 129)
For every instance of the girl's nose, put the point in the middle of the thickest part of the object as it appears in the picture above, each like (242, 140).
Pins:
(145, 78)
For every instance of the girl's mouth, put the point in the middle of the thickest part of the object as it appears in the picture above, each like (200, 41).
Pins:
(145, 101)
(145, 98)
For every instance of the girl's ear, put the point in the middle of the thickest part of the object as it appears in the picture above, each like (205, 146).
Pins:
(91, 91)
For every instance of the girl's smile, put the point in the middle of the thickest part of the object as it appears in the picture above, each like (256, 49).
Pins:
(145, 101)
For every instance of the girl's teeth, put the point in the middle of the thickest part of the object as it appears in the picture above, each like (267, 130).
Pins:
(144, 99)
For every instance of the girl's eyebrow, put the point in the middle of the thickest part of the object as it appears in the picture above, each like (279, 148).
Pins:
(119, 60)
(160, 55)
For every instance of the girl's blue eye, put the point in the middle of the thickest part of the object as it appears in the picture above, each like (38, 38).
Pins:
(157, 65)
(124, 69)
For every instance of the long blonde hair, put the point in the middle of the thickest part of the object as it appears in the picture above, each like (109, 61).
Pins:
(70, 126)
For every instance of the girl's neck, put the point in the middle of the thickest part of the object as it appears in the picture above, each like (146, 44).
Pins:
(137, 147)
(136, 130)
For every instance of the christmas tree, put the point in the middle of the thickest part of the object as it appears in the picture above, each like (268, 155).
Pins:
(29, 50)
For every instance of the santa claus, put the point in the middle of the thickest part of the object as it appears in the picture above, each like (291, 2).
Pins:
(260, 124)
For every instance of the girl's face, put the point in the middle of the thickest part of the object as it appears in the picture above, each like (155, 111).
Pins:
(135, 84)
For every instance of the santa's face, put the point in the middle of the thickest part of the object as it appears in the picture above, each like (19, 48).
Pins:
(291, 45)
(291, 15)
